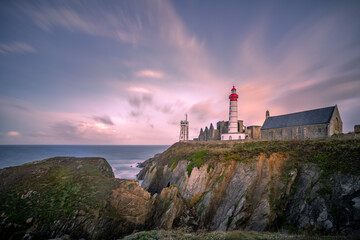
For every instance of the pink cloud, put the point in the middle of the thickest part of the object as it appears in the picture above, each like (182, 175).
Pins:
(150, 74)
(13, 134)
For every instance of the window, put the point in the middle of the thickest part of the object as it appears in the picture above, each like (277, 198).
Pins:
(299, 130)
(319, 130)
(239, 137)
(230, 138)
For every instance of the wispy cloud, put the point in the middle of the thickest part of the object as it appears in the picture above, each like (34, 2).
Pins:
(86, 17)
(16, 47)
(13, 134)
(39, 134)
(138, 89)
(303, 70)
(150, 74)
(140, 101)
(103, 119)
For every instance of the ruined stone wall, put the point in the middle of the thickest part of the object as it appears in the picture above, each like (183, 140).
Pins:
(241, 128)
(222, 126)
(209, 134)
(253, 132)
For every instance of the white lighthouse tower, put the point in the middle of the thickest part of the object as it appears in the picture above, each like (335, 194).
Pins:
(233, 113)
(233, 133)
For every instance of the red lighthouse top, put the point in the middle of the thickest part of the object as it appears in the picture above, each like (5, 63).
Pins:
(233, 96)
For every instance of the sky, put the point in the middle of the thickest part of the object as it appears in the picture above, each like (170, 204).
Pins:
(126, 72)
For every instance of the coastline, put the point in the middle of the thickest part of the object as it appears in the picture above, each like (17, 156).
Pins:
(122, 158)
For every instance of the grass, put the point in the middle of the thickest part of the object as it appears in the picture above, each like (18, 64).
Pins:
(57, 195)
(220, 235)
(329, 154)
(196, 159)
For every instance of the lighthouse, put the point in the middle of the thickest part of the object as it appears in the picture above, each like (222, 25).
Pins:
(233, 131)
(233, 112)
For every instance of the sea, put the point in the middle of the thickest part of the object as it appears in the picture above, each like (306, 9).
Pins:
(122, 158)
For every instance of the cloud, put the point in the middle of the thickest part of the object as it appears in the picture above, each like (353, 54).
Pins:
(77, 130)
(324, 93)
(138, 89)
(135, 114)
(149, 74)
(16, 47)
(39, 134)
(13, 134)
(204, 111)
(351, 65)
(140, 101)
(104, 119)
(66, 129)
(89, 18)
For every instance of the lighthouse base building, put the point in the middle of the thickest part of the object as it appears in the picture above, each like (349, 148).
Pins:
(233, 136)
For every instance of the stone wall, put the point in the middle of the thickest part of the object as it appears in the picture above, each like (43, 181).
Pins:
(335, 123)
(209, 134)
(253, 132)
(297, 132)
(357, 129)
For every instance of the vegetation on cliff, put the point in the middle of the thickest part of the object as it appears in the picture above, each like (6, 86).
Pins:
(299, 185)
(230, 235)
(57, 192)
(329, 154)
(305, 186)
(63, 196)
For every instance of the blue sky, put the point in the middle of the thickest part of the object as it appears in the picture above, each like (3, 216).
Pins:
(126, 72)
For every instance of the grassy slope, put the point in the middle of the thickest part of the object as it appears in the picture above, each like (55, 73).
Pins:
(231, 235)
(329, 154)
(58, 193)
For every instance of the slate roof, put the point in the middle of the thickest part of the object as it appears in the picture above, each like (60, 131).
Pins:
(316, 116)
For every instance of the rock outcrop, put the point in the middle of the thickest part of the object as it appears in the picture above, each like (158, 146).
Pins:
(78, 198)
(302, 186)
(310, 186)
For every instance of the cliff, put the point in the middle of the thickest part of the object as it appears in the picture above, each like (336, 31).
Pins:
(288, 186)
(302, 186)
(75, 198)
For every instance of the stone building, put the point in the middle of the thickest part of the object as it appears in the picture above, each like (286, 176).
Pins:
(184, 130)
(253, 132)
(317, 123)
(357, 129)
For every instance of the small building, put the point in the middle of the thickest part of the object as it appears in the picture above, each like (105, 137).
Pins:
(253, 132)
(317, 123)
(357, 129)
(184, 130)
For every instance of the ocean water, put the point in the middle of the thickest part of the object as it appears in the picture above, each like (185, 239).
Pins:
(123, 159)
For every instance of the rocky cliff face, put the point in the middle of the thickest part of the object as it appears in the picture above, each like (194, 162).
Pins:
(304, 186)
(78, 198)
(311, 186)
